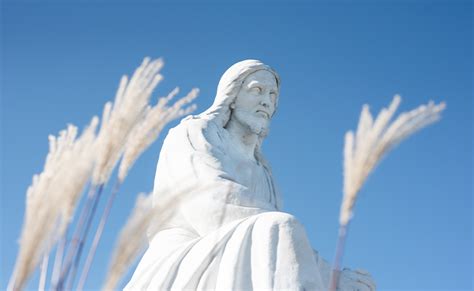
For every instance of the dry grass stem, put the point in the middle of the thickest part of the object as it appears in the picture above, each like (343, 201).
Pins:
(128, 127)
(149, 216)
(373, 139)
(44, 273)
(52, 197)
(150, 126)
(131, 241)
(120, 118)
(145, 132)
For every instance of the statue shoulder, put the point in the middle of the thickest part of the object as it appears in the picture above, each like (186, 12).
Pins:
(197, 123)
(200, 132)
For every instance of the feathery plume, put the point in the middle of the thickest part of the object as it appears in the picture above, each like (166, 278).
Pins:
(364, 150)
(52, 197)
(148, 216)
(150, 126)
(120, 118)
(373, 140)
(140, 138)
(131, 241)
(76, 173)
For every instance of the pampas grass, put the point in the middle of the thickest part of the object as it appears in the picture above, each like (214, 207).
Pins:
(52, 197)
(131, 241)
(129, 125)
(119, 119)
(142, 136)
(373, 139)
(44, 273)
(365, 149)
(133, 237)
(150, 126)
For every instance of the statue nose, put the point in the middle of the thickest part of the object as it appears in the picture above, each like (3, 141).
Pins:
(266, 101)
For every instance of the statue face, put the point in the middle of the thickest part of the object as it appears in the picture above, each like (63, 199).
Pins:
(256, 101)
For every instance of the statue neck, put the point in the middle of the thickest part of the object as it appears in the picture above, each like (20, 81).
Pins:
(243, 137)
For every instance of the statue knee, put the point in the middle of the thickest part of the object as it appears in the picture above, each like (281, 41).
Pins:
(279, 219)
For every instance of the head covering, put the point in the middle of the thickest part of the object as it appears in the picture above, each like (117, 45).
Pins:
(227, 91)
(229, 86)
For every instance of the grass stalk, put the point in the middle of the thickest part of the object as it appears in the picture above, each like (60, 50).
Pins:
(58, 259)
(341, 240)
(365, 148)
(90, 218)
(76, 239)
(97, 236)
(44, 273)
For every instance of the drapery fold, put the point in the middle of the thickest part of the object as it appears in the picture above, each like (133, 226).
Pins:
(226, 231)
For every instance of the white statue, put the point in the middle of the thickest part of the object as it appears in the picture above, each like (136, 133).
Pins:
(229, 232)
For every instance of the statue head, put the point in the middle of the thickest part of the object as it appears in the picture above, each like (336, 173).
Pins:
(239, 81)
(228, 91)
(256, 102)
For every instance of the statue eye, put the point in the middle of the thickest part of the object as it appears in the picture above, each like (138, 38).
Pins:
(257, 90)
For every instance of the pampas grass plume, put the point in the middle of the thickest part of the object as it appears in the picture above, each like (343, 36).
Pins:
(121, 117)
(373, 139)
(364, 149)
(150, 126)
(131, 241)
(52, 197)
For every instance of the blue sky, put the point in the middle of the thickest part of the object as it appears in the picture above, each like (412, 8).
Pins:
(413, 223)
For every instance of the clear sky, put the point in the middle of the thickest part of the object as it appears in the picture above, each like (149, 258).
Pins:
(62, 60)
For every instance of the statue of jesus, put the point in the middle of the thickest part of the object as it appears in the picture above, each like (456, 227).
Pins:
(227, 230)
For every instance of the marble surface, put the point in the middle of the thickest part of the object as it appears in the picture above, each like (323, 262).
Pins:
(227, 230)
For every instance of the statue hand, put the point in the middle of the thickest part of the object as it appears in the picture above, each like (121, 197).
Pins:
(355, 280)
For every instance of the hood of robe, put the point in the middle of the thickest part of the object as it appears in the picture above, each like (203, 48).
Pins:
(229, 86)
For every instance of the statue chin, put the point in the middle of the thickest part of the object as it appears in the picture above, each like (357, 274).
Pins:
(255, 124)
(259, 128)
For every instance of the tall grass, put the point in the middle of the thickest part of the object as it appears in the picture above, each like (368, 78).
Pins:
(141, 137)
(132, 240)
(128, 126)
(365, 148)
(52, 197)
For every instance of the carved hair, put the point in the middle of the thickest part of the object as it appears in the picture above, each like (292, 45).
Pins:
(229, 87)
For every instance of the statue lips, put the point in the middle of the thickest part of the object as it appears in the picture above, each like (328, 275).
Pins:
(263, 113)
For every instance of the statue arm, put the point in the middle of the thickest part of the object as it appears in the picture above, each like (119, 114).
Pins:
(349, 279)
(324, 268)
(193, 167)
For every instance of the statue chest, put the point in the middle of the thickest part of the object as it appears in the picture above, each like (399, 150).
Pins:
(253, 176)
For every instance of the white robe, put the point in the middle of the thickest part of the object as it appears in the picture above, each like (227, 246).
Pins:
(227, 231)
